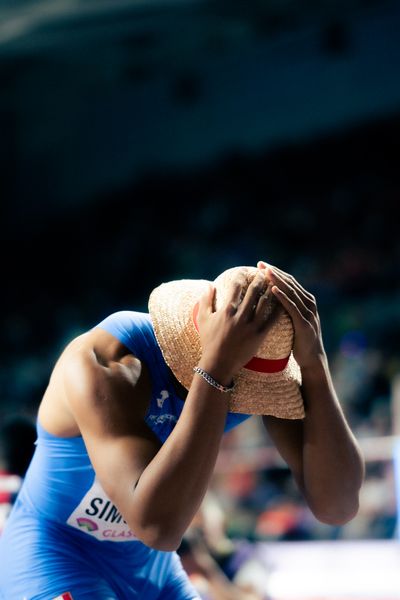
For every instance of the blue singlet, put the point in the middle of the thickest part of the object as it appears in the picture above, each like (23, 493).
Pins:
(64, 538)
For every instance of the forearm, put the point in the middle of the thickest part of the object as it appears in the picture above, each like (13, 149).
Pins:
(324, 454)
(172, 487)
(333, 468)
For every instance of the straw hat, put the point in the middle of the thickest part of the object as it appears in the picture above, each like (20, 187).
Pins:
(269, 384)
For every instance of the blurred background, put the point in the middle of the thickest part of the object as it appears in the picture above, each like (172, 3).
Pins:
(143, 141)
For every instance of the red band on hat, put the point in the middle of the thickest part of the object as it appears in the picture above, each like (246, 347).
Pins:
(267, 365)
(261, 365)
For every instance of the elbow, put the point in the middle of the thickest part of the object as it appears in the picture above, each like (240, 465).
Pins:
(160, 538)
(163, 543)
(155, 531)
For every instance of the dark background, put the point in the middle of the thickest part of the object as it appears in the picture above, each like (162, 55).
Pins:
(146, 141)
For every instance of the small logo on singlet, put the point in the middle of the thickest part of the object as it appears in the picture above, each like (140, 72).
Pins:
(161, 419)
(65, 596)
(86, 524)
(164, 394)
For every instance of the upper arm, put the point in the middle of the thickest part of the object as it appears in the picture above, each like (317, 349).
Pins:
(287, 436)
(106, 400)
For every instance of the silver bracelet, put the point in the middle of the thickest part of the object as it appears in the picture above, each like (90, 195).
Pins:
(211, 380)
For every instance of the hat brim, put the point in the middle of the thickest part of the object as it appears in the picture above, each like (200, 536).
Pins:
(171, 311)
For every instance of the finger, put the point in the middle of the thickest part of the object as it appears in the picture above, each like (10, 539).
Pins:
(292, 293)
(289, 305)
(267, 310)
(253, 293)
(293, 281)
(237, 290)
(261, 264)
(278, 276)
(206, 302)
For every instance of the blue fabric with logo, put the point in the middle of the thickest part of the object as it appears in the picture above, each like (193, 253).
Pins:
(61, 536)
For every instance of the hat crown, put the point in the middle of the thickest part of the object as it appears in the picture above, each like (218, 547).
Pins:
(278, 341)
(257, 390)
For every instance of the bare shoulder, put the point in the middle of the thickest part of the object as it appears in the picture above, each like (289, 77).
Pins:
(105, 393)
(101, 377)
(96, 382)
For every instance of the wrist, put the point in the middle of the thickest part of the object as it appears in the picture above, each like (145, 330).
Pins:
(213, 382)
(315, 369)
(218, 372)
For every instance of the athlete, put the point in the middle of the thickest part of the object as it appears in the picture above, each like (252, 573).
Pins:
(130, 425)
